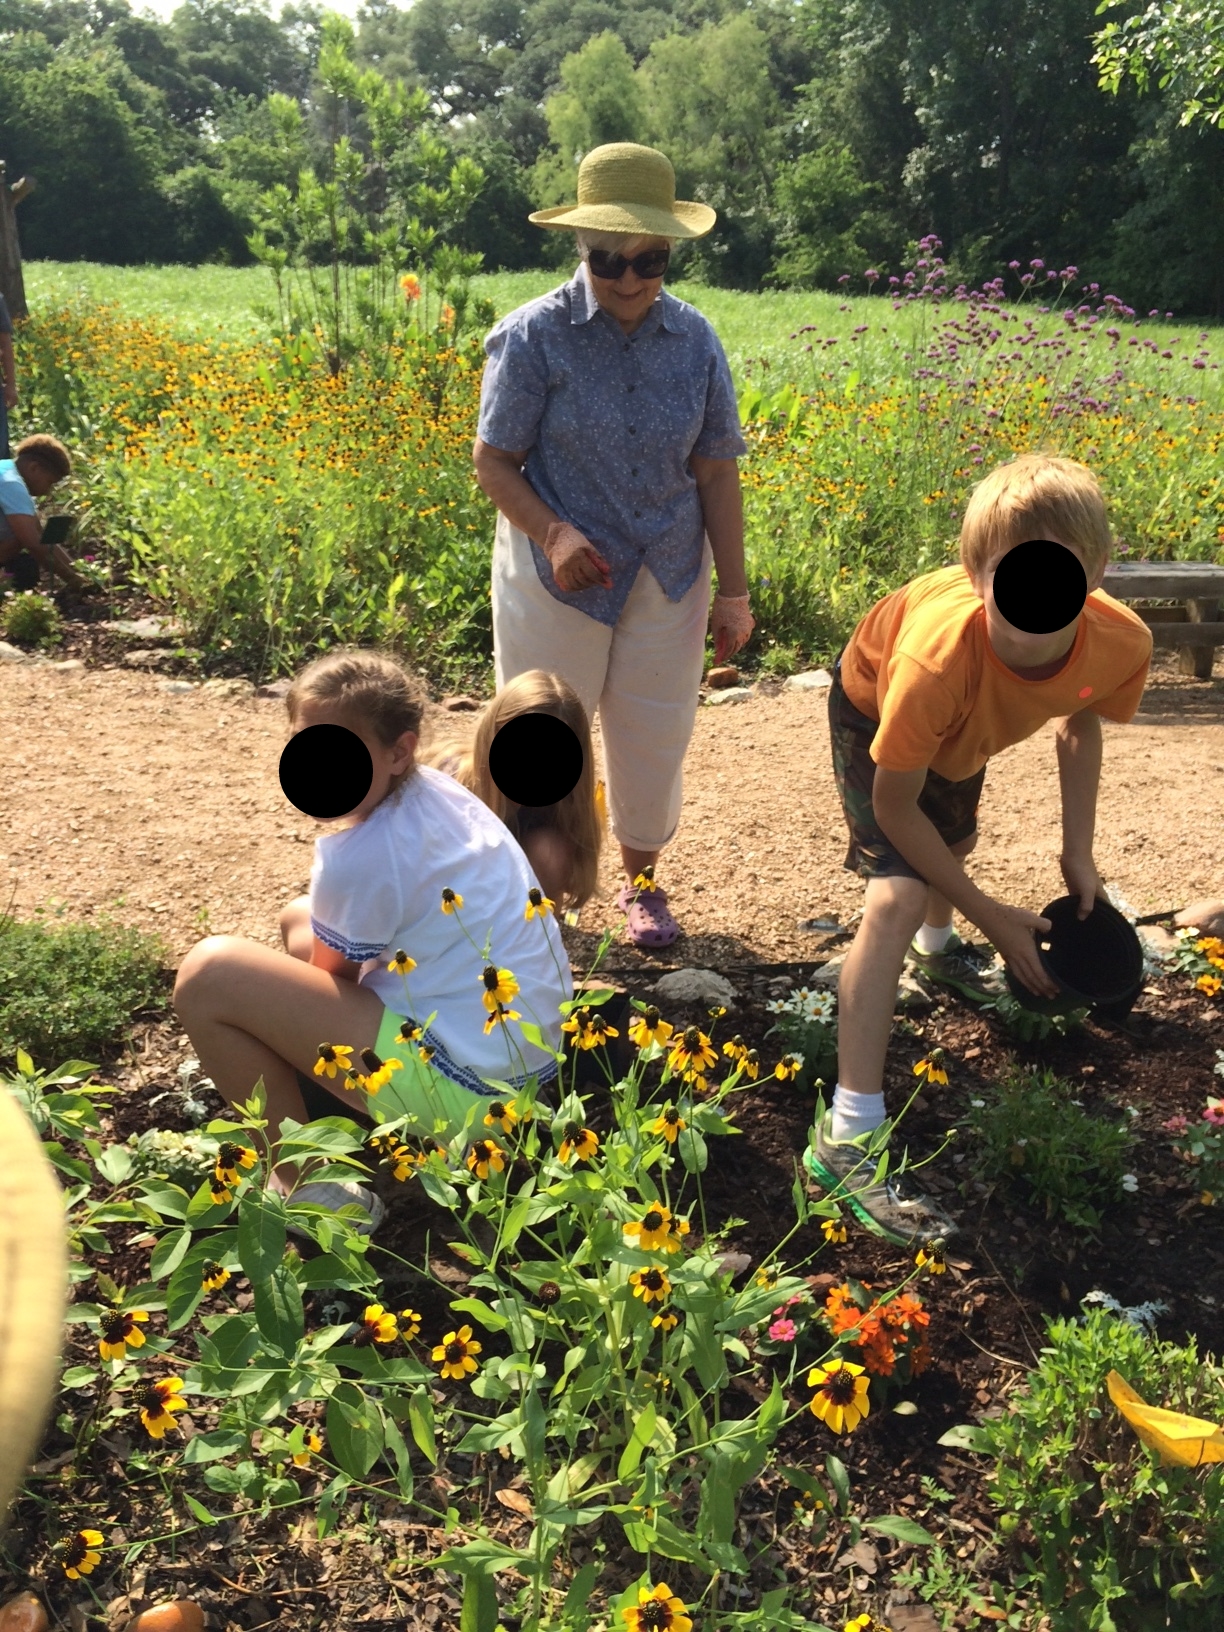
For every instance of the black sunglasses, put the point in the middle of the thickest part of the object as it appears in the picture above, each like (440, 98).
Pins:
(651, 263)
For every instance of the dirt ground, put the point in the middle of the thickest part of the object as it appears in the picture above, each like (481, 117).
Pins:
(165, 810)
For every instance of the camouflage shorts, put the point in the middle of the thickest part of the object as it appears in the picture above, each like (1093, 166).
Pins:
(951, 806)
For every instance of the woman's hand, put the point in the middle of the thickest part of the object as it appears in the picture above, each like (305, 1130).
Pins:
(576, 563)
(731, 624)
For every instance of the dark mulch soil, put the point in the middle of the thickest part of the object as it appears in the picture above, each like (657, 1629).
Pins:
(1008, 1269)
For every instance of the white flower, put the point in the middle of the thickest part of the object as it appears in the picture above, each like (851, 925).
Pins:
(778, 1006)
(1130, 1183)
(977, 1104)
(1219, 1069)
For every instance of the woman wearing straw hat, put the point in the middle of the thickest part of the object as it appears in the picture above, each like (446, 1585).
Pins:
(608, 441)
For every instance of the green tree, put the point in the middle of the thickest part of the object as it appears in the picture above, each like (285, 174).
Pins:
(1178, 46)
(239, 49)
(600, 101)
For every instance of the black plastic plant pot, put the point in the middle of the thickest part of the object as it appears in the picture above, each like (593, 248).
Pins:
(1096, 963)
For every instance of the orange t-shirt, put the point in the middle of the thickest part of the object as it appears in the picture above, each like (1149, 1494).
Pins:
(922, 664)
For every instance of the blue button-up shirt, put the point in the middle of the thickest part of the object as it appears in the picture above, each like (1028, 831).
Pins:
(610, 421)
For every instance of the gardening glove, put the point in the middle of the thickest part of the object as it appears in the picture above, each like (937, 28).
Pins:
(731, 623)
(576, 563)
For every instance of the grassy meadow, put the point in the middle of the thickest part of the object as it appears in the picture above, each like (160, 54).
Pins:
(278, 510)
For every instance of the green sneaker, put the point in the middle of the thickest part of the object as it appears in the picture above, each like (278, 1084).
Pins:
(968, 968)
(893, 1208)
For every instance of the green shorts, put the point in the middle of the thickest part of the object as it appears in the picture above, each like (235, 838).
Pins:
(432, 1103)
(951, 806)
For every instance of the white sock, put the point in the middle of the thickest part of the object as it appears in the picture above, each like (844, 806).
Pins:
(855, 1113)
(933, 938)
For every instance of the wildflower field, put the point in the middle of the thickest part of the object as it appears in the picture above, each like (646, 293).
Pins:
(276, 508)
(609, 1362)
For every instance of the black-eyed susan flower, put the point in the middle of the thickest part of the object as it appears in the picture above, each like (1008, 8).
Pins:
(377, 1326)
(454, 1354)
(229, 1159)
(79, 1554)
(670, 1124)
(645, 880)
(717, 1011)
(379, 1072)
(500, 987)
(213, 1275)
(665, 1320)
(751, 1064)
(834, 1231)
(409, 1031)
(410, 1324)
(484, 1155)
(500, 1115)
(219, 1191)
(653, 1231)
(692, 1053)
(657, 1609)
(158, 1401)
(354, 1083)
(932, 1067)
(788, 1067)
(649, 1027)
(426, 1052)
(736, 1049)
(119, 1333)
(840, 1400)
(538, 904)
(499, 1017)
(651, 1285)
(578, 1141)
(313, 1444)
(333, 1057)
(452, 901)
(578, 1025)
(766, 1276)
(931, 1256)
(401, 963)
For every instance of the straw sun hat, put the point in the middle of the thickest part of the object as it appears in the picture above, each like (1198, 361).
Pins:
(623, 187)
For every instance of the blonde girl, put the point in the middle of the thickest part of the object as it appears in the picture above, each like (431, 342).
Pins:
(420, 867)
(561, 841)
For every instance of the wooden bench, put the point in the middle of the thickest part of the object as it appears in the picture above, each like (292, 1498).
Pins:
(1197, 584)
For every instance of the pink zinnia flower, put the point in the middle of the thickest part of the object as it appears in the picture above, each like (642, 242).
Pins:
(783, 1331)
(1215, 1112)
(1176, 1124)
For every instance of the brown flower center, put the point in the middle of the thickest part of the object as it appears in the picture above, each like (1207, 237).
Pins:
(549, 1293)
(455, 1352)
(497, 1110)
(116, 1327)
(655, 1615)
(671, 1116)
(839, 1388)
(535, 897)
(692, 1040)
(490, 977)
(653, 1279)
(653, 1220)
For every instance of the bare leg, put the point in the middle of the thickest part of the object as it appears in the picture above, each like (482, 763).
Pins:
(252, 1013)
(867, 986)
(295, 931)
(552, 861)
(633, 861)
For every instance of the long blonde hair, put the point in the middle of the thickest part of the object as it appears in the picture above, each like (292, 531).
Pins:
(576, 817)
(371, 686)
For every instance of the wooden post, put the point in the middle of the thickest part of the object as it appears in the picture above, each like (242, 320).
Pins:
(12, 285)
(1198, 660)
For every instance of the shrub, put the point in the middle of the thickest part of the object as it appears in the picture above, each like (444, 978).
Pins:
(31, 619)
(67, 989)
(1036, 1140)
(1121, 1542)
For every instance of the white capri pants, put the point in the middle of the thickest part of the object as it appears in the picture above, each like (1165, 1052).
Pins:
(643, 676)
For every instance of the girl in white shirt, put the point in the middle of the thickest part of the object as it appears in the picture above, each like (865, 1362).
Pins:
(421, 868)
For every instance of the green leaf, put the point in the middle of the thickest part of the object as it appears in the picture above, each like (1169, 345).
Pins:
(399, 1453)
(261, 1233)
(772, 1412)
(965, 1436)
(421, 1422)
(575, 1611)
(479, 1609)
(185, 1289)
(199, 1510)
(488, 1318)
(332, 1270)
(516, 1218)
(115, 1163)
(643, 1433)
(354, 1430)
(278, 1308)
(901, 1529)
(840, 1480)
(491, 1436)
(208, 1447)
(169, 1252)
(330, 1503)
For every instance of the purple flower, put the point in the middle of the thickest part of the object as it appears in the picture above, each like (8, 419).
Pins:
(845, 278)
(871, 272)
(1015, 265)
(783, 1331)
(1037, 265)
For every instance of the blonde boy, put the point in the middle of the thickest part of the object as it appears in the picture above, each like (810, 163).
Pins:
(933, 682)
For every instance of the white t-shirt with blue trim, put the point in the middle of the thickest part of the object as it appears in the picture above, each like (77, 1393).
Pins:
(377, 887)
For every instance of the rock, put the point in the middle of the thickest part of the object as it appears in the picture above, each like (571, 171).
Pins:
(695, 986)
(737, 694)
(1158, 940)
(810, 680)
(177, 688)
(68, 666)
(461, 705)
(146, 660)
(23, 1614)
(183, 1615)
(721, 679)
(217, 689)
(12, 654)
(274, 688)
(155, 631)
(912, 991)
